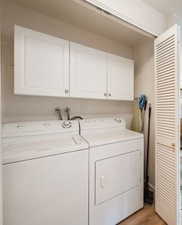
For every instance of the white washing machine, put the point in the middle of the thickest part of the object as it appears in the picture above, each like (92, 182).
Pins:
(116, 170)
(45, 174)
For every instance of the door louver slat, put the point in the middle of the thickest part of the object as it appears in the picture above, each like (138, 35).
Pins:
(164, 77)
(166, 50)
(166, 80)
(168, 42)
(166, 55)
(167, 60)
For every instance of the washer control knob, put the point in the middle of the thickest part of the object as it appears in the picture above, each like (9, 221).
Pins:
(19, 126)
(118, 120)
(66, 124)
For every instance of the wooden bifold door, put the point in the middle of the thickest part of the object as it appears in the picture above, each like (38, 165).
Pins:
(167, 132)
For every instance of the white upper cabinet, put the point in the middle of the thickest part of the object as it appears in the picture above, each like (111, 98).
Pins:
(41, 64)
(50, 66)
(96, 74)
(120, 78)
(88, 72)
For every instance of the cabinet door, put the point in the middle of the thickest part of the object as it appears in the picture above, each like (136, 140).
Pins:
(120, 78)
(88, 72)
(41, 64)
(50, 190)
(167, 124)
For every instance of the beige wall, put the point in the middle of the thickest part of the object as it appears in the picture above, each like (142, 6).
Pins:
(144, 84)
(18, 108)
(174, 19)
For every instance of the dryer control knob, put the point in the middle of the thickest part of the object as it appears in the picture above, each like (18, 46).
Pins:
(66, 124)
(118, 120)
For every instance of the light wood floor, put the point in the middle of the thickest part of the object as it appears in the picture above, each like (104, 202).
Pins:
(146, 216)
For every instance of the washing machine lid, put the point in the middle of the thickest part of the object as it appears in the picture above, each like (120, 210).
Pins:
(106, 131)
(34, 140)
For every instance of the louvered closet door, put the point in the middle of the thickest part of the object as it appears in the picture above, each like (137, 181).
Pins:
(167, 126)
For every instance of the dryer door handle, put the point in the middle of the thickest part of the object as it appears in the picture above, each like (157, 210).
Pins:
(102, 185)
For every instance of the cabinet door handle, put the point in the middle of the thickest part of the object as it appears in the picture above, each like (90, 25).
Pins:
(66, 91)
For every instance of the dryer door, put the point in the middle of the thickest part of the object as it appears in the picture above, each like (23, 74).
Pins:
(117, 175)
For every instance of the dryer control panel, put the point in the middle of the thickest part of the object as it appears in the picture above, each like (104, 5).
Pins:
(103, 123)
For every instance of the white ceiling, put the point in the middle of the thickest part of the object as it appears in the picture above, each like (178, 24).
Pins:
(169, 7)
(80, 14)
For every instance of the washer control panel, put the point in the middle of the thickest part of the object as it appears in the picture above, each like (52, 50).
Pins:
(39, 127)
